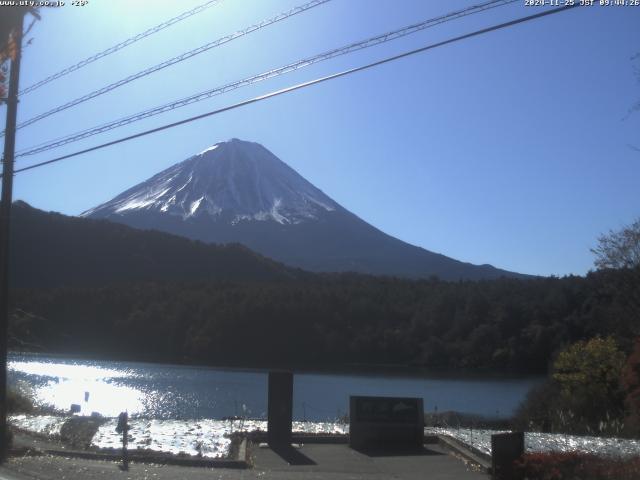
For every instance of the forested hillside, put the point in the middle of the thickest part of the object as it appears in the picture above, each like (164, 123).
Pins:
(507, 324)
(53, 250)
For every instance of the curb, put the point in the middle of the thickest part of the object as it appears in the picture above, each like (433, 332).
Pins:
(240, 462)
(261, 437)
(474, 456)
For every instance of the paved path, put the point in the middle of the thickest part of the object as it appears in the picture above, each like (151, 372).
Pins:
(341, 462)
(313, 462)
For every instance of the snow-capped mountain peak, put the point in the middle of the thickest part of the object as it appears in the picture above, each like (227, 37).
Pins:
(237, 191)
(233, 181)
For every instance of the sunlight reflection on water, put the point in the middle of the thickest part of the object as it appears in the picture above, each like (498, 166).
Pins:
(105, 398)
(74, 371)
(59, 385)
(205, 437)
(144, 390)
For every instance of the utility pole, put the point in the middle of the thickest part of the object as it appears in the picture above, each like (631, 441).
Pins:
(5, 221)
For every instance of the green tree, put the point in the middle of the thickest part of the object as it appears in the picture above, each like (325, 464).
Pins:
(588, 374)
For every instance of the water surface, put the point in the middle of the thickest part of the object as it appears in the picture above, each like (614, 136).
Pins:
(178, 409)
(163, 391)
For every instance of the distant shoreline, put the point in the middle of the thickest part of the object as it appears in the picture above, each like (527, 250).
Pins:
(400, 371)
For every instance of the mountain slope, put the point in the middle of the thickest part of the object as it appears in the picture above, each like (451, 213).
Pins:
(231, 182)
(53, 250)
(238, 191)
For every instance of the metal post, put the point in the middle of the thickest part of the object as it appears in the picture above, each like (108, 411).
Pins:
(5, 220)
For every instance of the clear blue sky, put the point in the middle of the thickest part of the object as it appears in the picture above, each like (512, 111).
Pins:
(513, 148)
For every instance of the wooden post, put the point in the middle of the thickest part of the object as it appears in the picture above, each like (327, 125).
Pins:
(5, 222)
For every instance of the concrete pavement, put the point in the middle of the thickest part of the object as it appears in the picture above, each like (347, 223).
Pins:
(311, 461)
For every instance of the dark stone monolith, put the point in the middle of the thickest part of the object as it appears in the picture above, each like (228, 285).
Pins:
(280, 408)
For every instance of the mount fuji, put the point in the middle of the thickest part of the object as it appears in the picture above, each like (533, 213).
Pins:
(238, 191)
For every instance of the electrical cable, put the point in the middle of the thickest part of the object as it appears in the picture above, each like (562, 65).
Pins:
(173, 61)
(119, 46)
(305, 84)
(372, 41)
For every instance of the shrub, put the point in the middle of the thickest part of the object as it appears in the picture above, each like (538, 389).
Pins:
(631, 383)
(537, 411)
(574, 465)
(18, 403)
(588, 374)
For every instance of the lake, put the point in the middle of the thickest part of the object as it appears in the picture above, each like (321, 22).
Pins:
(162, 391)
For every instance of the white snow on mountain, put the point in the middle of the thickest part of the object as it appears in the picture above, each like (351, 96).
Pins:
(237, 180)
(208, 149)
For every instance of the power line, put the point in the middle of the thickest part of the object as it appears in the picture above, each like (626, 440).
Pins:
(303, 85)
(120, 46)
(174, 60)
(372, 41)
(263, 76)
